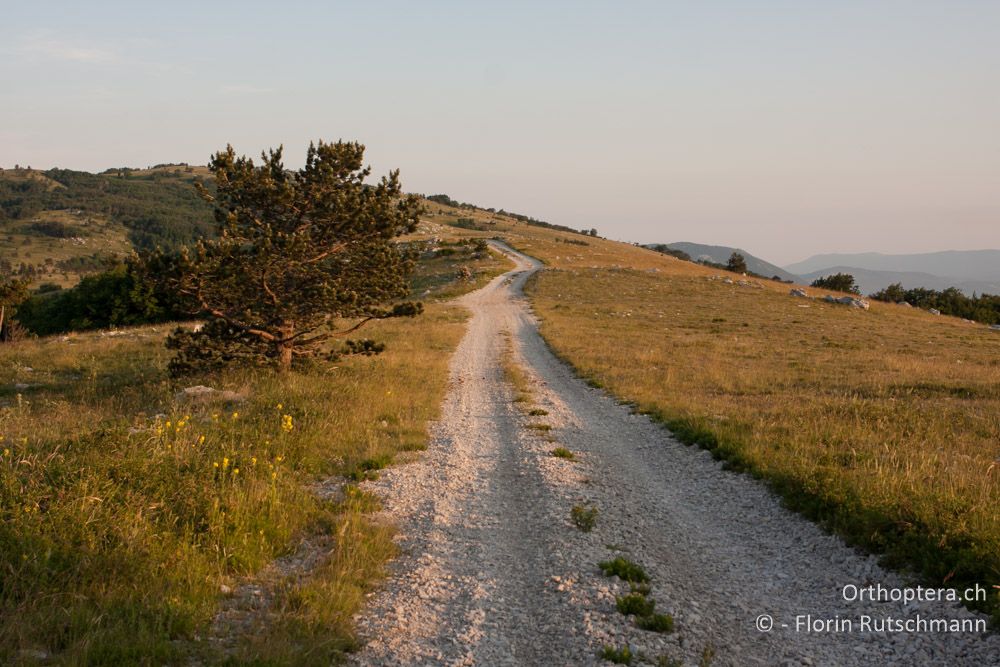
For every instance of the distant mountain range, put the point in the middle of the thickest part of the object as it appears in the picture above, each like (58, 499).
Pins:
(962, 264)
(873, 281)
(972, 271)
(720, 255)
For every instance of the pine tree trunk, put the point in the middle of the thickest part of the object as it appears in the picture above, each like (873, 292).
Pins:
(285, 349)
(2, 310)
(285, 357)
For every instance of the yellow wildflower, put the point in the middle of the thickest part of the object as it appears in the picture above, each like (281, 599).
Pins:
(279, 406)
(6, 452)
(201, 440)
(236, 471)
(253, 460)
(286, 423)
(215, 464)
(225, 462)
(236, 415)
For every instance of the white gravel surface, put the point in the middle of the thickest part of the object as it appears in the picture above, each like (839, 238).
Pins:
(493, 572)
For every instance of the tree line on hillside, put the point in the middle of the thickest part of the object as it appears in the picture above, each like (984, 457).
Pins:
(983, 308)
(298, 260)
(952, 301)
(445, 200)
(157, 209)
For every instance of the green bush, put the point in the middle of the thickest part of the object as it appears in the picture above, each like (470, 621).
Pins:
(624, 569)
(839, 282)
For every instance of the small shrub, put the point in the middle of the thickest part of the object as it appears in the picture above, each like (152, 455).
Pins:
(656, 622)
(584, 518)
(641, 588)
(563, 453)
(540, 427)
(635, 604)
(368, 469)
(624, 569)
(538, 412)
(619, 656)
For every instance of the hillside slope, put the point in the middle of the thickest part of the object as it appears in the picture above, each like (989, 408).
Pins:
(58, 225)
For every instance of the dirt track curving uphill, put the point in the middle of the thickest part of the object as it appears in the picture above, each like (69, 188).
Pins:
(493, 572)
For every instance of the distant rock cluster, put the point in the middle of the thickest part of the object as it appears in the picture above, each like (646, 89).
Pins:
(852, 301)
(753, 284)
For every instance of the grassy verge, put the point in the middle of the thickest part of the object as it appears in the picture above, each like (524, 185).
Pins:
(124, 507)
(438, 274)
(883, 425)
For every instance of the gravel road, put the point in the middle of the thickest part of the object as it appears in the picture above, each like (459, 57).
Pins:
(493, 572)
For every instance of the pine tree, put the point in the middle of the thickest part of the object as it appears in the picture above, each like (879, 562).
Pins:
(12, 293)
(301, 257)
(737, 263)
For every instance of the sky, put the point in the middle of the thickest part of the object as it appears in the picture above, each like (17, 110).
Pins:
(785, 128)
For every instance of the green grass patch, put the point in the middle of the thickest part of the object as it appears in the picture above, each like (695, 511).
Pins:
(563, 453)
(619, 656)
(635, 604)
(655, 622)
(624, 569)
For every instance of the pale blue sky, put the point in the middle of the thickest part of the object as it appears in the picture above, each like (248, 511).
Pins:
(788, 128)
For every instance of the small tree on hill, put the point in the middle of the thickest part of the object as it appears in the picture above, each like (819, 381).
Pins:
(841, 282)
(737, 263)
(296, 252)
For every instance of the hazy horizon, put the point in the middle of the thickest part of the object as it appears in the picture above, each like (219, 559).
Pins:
(787, 129)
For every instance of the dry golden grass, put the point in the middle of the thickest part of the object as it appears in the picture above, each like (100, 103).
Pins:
(885, 424)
